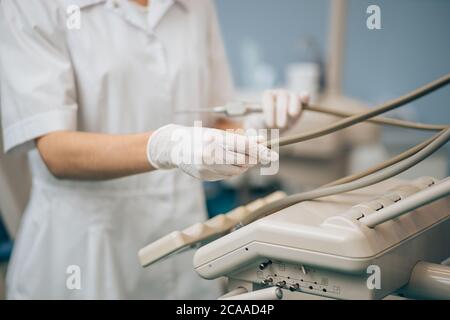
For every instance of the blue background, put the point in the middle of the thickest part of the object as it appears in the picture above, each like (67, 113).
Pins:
(412, 48)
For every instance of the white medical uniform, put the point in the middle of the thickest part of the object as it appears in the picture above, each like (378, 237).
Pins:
(122, 72)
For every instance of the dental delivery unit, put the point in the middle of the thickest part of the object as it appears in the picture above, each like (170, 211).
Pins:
(365, 236)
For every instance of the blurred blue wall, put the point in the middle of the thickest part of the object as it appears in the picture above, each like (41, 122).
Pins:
(412, 48)
(275, 26)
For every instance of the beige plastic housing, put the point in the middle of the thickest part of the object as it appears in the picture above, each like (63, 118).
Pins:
(200, 233)
(323, 244)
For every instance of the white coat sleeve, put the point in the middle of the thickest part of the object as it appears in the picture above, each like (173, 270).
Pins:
(221, 90)
(37, 86)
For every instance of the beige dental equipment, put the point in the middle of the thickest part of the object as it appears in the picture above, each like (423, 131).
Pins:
(294, 247)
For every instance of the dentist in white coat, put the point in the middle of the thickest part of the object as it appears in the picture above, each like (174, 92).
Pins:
(94, 109)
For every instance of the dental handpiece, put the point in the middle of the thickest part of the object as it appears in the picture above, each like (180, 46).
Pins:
(231, 109)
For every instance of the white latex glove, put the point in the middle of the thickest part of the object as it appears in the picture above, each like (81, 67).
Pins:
(281, 110)
(206, 154)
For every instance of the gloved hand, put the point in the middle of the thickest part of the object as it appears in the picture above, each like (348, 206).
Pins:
(206, 154)
(281, 110)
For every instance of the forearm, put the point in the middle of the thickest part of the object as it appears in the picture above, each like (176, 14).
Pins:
(92, 156)
(227, 124)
